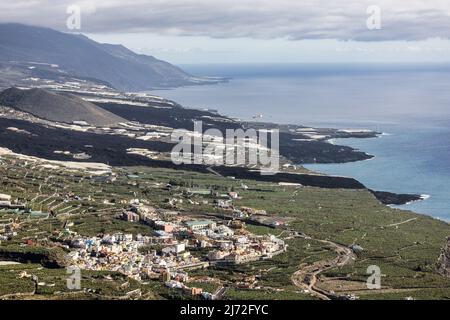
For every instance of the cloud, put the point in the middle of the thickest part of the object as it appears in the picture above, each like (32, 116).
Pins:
(260, 19)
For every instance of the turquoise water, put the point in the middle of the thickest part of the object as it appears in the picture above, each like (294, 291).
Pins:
(411, 158)
(410, 103)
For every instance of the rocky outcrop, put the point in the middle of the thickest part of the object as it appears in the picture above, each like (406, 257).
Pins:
(395, 198)
(443, 265)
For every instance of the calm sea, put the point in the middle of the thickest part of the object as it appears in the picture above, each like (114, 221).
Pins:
(409, 103)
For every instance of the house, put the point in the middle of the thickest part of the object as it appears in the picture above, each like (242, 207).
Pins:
(223, 204)
(174, 284)
(261, 212)
(30, 242)
(196, 291)
(146, 210)
(5, 197)
(239, 214)
(168, 227)
(277, 223)
(5, 200)
(207, 296)
(164, 226)
(162, 234)
(216, 255)
(233, 195)
(130, 216)
(220, 232)
(121, 237)
(226, 245)
(356, 248)
(178, 248)
(197, 225)
(181, 276)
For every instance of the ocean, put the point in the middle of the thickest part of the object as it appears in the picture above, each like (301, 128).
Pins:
(409, 103)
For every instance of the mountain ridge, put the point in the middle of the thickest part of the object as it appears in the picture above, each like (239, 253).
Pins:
(76, 53)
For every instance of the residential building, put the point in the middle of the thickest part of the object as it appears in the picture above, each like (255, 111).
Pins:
(130, 216)
(197, 225)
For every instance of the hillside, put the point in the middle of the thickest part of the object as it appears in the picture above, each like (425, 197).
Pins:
(57, 107)
(81, 56)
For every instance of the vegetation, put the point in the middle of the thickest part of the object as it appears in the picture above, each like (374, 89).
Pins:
(403, 244)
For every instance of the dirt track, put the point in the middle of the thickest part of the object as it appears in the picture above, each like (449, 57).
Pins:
(306, 277)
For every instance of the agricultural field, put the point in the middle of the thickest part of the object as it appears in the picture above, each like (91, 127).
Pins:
(318, 224)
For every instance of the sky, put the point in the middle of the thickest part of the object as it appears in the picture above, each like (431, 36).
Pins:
(245, 31)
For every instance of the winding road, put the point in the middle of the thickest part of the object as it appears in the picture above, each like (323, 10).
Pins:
(306, 277)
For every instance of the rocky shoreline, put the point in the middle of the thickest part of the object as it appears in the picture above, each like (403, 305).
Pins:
(397, 199)
(298, 144)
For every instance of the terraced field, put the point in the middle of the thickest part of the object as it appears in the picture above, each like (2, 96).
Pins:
(403, 244)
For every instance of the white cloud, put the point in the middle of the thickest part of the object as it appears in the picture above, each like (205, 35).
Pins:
(263, 19)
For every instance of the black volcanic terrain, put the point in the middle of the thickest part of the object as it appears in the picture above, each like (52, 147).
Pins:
(175, 117)
(35, 139)
(41, 142)
(290, 147)
(57, 107)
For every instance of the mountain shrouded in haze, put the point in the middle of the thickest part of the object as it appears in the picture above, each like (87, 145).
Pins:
(81, 56)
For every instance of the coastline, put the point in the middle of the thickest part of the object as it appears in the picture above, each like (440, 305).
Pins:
(391, 199)
(298, 144)
(423, 197)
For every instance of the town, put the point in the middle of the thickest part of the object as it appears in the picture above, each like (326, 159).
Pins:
(173, 243)
(174, 235)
